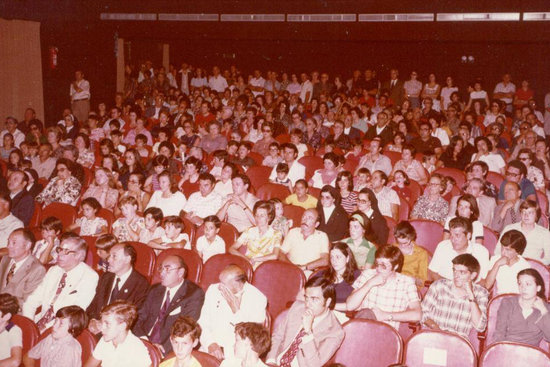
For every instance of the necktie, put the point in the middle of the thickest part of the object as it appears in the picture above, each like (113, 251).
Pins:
(290, 354)
(155, 333)
(115, 291)
(10, 273)
(513, 215)
(49, 315)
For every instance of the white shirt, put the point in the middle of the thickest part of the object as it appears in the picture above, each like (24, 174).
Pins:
(130, 353)
(83, 94)
(224, 189)
(203, 206)
(508, 88)
(169, 206)
(493, 160)
(386, 197)
(257, 82)
(18, 137)
(219, 84)
(10, 339)
(506, 279)
(296, 172)
(538, 242)
(306, 87)
(207, 250)
(444, 254)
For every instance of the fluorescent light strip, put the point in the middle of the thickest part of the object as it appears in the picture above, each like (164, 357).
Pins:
(252, 17)
(536, 16)
(128, 16)
(321, 17)
(411, 17)
(189, 17)
(477, 17)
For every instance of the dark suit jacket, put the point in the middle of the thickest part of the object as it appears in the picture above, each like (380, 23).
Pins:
(150, 112)
(187, 302)
(336, 227)
(22, 206)
(386, 136)
(134, 290)
(354, 133)
(396, 93)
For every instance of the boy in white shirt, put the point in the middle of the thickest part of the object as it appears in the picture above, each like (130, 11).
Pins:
(210, 243)
(153, 230)
(173, 236)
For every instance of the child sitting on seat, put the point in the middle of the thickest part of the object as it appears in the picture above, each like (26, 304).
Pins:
(103, 245)
(210, 244)
(173, 237)
(44, 250)
(90, 224)
(153, 229)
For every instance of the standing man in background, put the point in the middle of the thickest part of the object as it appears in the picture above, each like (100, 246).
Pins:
(80, 96)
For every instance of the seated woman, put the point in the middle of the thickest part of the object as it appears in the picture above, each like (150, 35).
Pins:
(160, 164)
(466, 207)
(63, 188)
(103, 189)
(360, 240)
(344, 182)
(85, 156)
(140, 128)
(333, 219)
(485, 154)
(416, 258)
(135, 190)
(132, 164)
(191, 172)
(261, 242)
(525, 317)
(431, 205)
(368, 205)
(251, 341)
(411, 166)
(400, 185)
(168, 198)
(454, 156)
(11, 337)
(327, 175)
(214, 140)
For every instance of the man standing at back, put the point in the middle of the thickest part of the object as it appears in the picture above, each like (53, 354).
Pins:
(80, 96)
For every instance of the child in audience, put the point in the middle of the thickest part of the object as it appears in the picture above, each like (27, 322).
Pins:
(274, 157)
(280, 223)
(173, 235)
(296, 139)
(232, 148)
(361, 179)
(116, 137)
(160, 164)
(400, 183)
(141, 143)
(224, 186)
(163, 135)
(357, 150)
(428, 161)
(184, 336)
(282, 176)
(219, 159)
(103, 245)
(301, 197)
(96, 133)
(242, 158)
(210, 244)
(90, 224)
(11, 336)
(44, 250)
(130, 225)
(153, 229)
(61, 348)
(251, 341)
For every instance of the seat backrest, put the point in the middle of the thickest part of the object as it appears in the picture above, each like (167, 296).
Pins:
(439, 348)
(213, 266)
(227, 231)
(36, 215)
(428, 233)
(188, 188)
(258, 175)
(312, 163)
(189, 228)
(490, 240)
(393, 156)
(391, 228)
(205, 359)
(88, 342)
(416, 191)
(543, 202)
(65, 212)
(495, 178)
(544, 273)
(28, 329)
(295, 213)
(92, 259)
(492, 310)
(154, 353)
(145, 259)
(455, 173)
(272, 190)
(381, 337)
(108, 216)
(404, 209)
(280, 282)
(513, 354)
(191, 259)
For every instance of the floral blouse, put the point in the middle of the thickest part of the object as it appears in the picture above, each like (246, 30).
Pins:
(67, 193)
(91, 227)
(426, 209)
(120, 229)
(86, 158)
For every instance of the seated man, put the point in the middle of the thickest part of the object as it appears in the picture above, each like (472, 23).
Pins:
(175, 296)
(20, 272)
(517, 172)
(8, 221)
(22, 203)
(184, 337)
(237, 208)
(203, 203)
(309, 333)
(461, 242)
(118, 346)
(459, 304)
(227, 303)
(385, 293)
(44, 163)
(375, 160)
(122, 282)
(507, 212)
(70, 282)
(306, 246)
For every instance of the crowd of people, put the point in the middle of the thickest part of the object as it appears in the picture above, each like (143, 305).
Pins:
(178, 148)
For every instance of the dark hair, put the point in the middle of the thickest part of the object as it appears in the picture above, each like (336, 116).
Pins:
(50, 223)
(483, 165)
(303, 182)
(9, 304)
(282, 167)
(86, 139)
(333, 192)
(167, 145)
(161, 160)
(411, 147)
(519, 165)
(404, 229)
(207, 177)
(174, 220)
(92, 202)
(156, 213)
(486, 140)
(527, 204)
(351, 264)
(213, 219)
(258, 335)
(194, 161)
(185, 325)
(459, 222)
(393, 254)
(326, 286)
(514, 239)
(469, 261)
(407, 181)
(78, 320)
(538, 281)
(473, 206)
(105, 242)
(267, 205)
(129, 250)
(331, 156)
(290, 146)
(244, 178)
(346, 174)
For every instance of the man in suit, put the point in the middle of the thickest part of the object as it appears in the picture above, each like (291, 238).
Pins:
(20, 272)
(175, 296)
(70, 282)
(394, 87)
(309, 333)
(22, 203)
(122, 282)
(157, 108)
(382, 129)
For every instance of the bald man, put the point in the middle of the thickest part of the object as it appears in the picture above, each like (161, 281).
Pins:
(227, 303)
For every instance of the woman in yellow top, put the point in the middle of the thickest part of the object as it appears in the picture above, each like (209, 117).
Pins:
(416, 257)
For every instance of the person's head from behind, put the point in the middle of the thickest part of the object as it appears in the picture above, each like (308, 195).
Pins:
(173, 226)
(117, 319)
(465, 269)
(9, 306)
(103, 245)
(172, 271)
(251, 337)
(513, 243)
(388, 259)
(320, 296)
(69, 320)
(212, 226)
(184, 336)
(531, 285)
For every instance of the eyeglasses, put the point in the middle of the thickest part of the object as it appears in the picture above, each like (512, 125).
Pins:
(524, 158)
(167, 268)
(266, 130)
(65, 251)
(512, 174)
(133, 181)
(362, 201)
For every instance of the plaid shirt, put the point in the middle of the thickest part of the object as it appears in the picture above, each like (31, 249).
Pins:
(450, 312)
(395, 295)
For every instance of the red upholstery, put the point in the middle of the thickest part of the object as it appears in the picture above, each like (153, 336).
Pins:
(459, 352)
(455, 173)
(495, 178)
(393, 156)
(416, 191)
(314, 191)
(543, 202)
(29, 330)
(513, 354)
(227, 232)
(272, 190)
(146, 261)
(65, 212)
(404, 209)
(257, 157)
(391, 227)
(154, 353)
(283, 138)
(312, 163)
(92, 259)
(86, 340)
(188, 188)
(544, 272)
(490, 240)
(214, 265)
(295, 213)
(205, 359)
(191, 259)
(280, 282)
(88, 178)
(108, 216)
(492, 309)
(258, 175)
(385, 345)
(36, 215)
(428, 233)
(189, 228)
